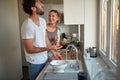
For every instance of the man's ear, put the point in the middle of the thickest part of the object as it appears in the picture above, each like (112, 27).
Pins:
(33, 8)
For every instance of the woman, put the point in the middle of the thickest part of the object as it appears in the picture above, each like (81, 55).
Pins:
(52, 30)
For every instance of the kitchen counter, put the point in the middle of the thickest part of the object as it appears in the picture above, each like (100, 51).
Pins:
(97, 68)
(93, 66)
(68, 74)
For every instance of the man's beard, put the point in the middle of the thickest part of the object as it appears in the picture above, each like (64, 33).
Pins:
(39, 11)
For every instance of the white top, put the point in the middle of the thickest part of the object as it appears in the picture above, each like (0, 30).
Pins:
(30, 30)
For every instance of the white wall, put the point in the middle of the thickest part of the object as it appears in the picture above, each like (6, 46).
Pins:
(90, 23)
(22, 17)
(10, 51)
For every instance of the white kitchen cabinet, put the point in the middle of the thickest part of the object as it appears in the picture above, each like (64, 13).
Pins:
(73, 11)
(83, 12)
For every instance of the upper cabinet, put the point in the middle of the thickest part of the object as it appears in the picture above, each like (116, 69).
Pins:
(73, 12)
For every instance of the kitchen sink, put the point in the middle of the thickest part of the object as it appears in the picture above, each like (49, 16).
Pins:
(60, 76)
(70, 72)
(71, 67)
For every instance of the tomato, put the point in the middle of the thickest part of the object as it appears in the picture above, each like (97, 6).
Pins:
(58, 46)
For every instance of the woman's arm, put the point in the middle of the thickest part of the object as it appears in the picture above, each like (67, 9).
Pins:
(52, 49)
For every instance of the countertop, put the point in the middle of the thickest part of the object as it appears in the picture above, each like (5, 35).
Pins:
(47, 71)
(95, 66)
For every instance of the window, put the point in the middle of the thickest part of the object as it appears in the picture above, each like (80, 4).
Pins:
(108, 28)
(115, 26)
(104, 26)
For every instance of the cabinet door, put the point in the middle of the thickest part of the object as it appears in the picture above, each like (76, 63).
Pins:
(73, 11)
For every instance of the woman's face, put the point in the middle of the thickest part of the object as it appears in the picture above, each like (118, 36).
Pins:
(53, 18)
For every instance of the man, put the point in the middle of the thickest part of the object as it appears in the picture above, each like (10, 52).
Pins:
(34, 38)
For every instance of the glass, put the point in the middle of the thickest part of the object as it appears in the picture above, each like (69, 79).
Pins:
(104, 26)
(56, 40)
(115, 27)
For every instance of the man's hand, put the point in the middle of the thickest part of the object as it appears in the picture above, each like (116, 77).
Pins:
(57, 56)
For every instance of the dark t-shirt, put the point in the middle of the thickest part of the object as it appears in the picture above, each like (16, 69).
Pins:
(51, 36)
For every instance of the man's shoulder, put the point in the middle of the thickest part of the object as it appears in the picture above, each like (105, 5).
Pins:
(27, 23)
(42, 19)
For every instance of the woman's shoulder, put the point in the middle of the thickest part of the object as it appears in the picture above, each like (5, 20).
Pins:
(47, 26)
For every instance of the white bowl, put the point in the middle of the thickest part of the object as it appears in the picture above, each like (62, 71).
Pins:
(58, 64)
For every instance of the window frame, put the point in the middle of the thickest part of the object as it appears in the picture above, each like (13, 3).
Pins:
(107, 56)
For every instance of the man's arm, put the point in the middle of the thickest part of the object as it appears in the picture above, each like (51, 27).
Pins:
(28, 45)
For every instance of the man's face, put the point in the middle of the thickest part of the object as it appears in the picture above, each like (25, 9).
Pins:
(39, 7)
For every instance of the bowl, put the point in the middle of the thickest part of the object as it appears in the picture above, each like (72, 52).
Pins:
(58, 64)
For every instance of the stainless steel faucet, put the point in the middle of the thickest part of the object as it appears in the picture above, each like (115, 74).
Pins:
(76, 50)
